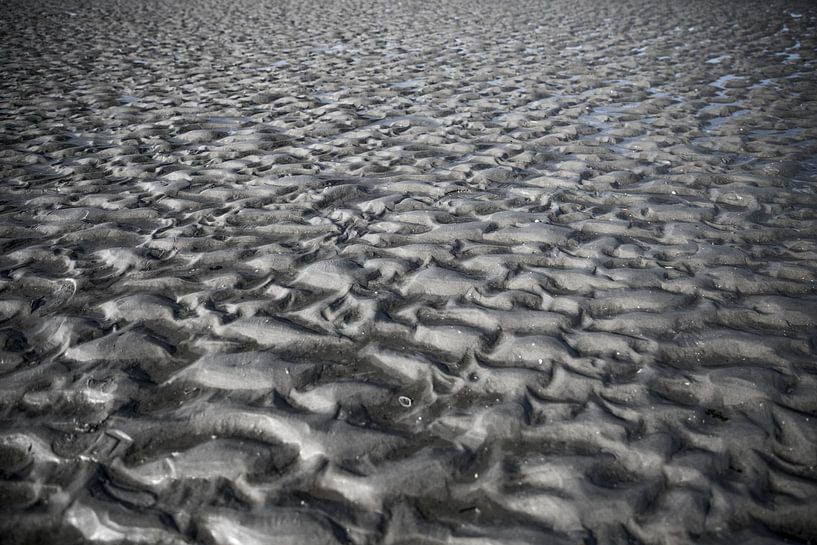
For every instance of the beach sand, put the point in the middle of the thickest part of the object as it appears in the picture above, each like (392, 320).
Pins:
(461, 272)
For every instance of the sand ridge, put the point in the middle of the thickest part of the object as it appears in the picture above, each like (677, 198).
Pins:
(408, 272)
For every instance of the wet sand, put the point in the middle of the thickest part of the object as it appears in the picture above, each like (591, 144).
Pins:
(409, 272)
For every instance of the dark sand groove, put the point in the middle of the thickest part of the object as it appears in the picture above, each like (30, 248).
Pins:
(408, 272)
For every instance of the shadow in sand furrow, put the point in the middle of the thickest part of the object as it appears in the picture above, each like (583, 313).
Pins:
(421, 272)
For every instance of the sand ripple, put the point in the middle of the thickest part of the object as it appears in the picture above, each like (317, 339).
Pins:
(408, 272)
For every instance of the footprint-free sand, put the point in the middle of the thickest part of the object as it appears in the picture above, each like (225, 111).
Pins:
(443, 272)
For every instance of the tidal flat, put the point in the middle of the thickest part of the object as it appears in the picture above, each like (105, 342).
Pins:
(421, 272)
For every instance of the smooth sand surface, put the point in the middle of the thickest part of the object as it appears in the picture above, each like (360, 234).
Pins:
(461, 272)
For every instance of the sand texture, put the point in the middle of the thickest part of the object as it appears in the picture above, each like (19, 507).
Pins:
(442, 272)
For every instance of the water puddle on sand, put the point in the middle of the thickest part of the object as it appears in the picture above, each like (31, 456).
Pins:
(224, 124)
(717, 105)
(791, 57)
(721, 83)
(606, 119)
(805, 181)
(412, 120)
(330, 97)
(409, 84)
(272, 67)
(718, 60)
(790, 53)
(768, 82)
(718, 122)
(603, 118)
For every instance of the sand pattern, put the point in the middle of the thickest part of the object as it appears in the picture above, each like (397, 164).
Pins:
(408, 272)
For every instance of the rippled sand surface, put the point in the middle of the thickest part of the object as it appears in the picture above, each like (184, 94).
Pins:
(460, 272)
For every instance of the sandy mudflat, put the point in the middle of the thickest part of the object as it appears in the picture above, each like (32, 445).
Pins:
(462, 272)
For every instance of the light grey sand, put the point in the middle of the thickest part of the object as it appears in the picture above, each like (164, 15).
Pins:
(408, 272)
